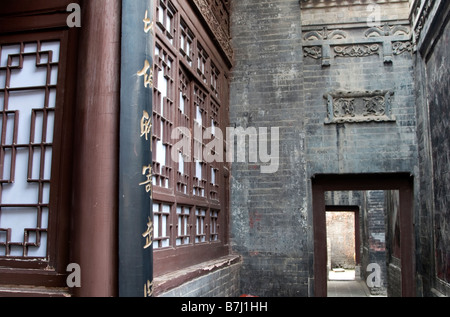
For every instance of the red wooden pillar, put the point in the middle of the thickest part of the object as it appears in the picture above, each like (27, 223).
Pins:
(96, 148)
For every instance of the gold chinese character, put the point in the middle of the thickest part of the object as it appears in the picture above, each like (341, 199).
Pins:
(148, 182)
(148, 25)
(148, 234)
(148, 77)
(146, 125)
(148, 289)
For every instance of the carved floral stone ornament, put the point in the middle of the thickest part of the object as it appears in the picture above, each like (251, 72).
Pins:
(360, 50)
(359, 106)
(313, 52)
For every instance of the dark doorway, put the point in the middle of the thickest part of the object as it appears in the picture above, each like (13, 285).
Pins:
(403, 182)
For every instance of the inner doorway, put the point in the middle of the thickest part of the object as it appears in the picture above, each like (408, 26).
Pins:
(343, 242)
(363, 182)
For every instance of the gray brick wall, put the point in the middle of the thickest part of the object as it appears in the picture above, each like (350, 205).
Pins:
(269, 210)
(274, 85)
(374, 238)
(360, 147)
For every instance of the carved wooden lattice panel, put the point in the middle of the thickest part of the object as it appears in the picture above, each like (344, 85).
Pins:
(28, 82)
(190, 83)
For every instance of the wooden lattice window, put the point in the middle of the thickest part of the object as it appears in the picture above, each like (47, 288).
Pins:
(163, 111)
(28, 84)
(200, 122)
(187, 176)
(200, 225)
(202, 62)
(186, 42)
(215, 82)
(161, 228)
(214, 114)
(214, 111)
(38, 55)
(214, 185)
(214, 225)
(183, 225)
(184, 110)
(166, 19)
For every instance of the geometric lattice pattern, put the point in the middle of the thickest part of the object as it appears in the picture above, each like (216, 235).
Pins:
(187, 173)
(28, 82)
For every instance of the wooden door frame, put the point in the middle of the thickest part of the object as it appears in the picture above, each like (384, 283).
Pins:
(403, 182)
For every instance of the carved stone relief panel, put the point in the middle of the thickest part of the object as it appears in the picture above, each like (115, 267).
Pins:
(385, 40)
(359, 106)
(313, 52)
(356, 50)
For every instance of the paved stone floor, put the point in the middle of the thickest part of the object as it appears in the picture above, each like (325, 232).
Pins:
(341, 275)
(344, 284)
(348, 288)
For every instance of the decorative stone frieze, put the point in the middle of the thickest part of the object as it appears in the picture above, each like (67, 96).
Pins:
(359, 106)
(384, 40)
(357, 50)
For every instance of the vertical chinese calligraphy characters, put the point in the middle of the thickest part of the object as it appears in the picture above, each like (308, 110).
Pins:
(147, 171)
(147, 72)
(145, 131)
(148, 289)
(146, 125)
(148, 25)
(148, 234)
